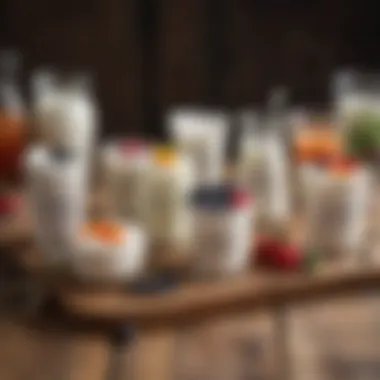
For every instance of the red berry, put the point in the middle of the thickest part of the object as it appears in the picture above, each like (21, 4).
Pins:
(289, 257)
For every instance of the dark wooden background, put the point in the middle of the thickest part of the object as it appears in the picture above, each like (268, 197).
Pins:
(148, 55)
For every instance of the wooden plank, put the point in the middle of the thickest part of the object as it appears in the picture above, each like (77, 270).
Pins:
(30, 354)
(153, 355)
(200, 299)
(88, 357)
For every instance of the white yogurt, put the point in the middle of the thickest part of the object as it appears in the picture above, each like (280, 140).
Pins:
(202, 136)
(165, 198)
(336, 207)
(262, 168)
(125, 260)
(224, 233)
(56, 191)
(125, 166)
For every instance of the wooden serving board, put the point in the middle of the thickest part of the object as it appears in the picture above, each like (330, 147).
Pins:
(189, 300)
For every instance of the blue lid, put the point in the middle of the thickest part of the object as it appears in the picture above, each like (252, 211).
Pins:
(213, 197)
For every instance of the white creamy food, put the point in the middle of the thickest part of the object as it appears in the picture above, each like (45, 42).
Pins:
(125, 260)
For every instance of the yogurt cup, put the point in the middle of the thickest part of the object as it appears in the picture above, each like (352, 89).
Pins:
(108, 251)
(164, 198)
(202, 136)
(56, 193)
(126, 164)
(65, 113)
(337, 200)
(223, 231)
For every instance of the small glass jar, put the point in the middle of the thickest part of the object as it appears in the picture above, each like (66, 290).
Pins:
(126, 164)
(202, 136)
(223, 231)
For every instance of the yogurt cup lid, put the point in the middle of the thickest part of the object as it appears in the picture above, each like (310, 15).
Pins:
(220, 197)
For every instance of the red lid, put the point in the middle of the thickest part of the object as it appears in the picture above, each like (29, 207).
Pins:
(241, 198)
(132, 146)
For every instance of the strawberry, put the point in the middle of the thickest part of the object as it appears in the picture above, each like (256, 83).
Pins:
(276, 254)
(289, 257)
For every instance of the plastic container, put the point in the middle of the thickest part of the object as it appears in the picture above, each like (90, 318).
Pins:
(56, 193)
(202, 136)
(263, 169)
(165, 198)
(223, 232)
(108, 251)
(65, 112)
(126, 164)
(337, 200)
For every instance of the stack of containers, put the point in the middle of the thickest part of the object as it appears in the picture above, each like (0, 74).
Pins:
(57, 167)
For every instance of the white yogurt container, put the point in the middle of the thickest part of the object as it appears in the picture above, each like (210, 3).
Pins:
(110, 252)
(224, 231)
(126, 163)
(202, 136)
(263, 169)
(56, 191)
(165, 198)
(65, 114)
(336, 207)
